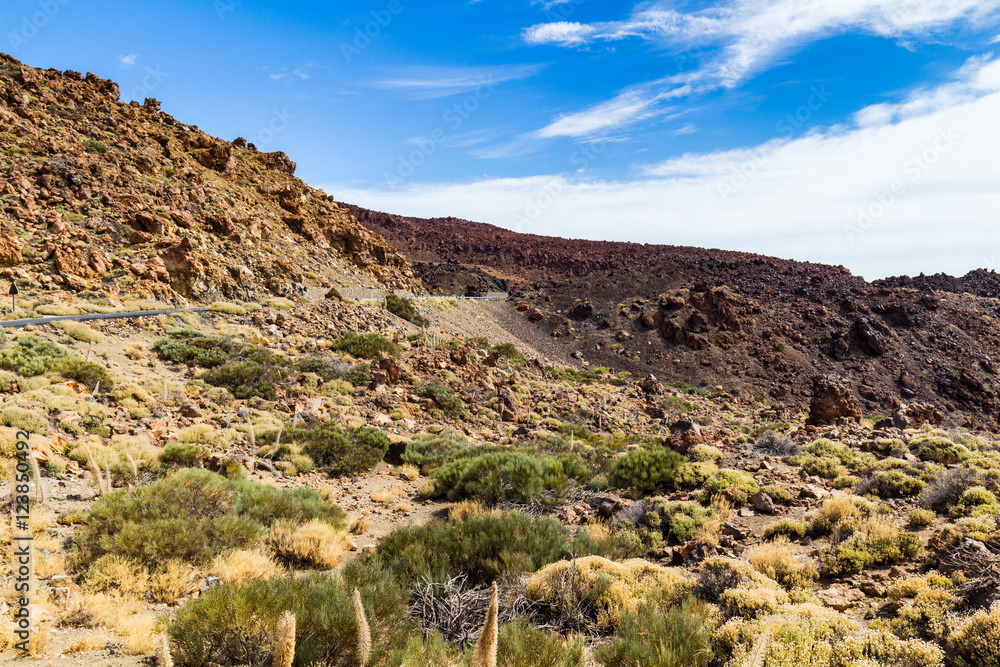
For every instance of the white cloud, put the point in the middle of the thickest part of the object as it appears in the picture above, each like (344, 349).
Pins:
(910, 189)
(738, 38)
(563, 33)
(424, 83)
(129, 60)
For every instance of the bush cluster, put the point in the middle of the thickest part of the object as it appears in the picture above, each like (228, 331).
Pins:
(191, 516)
(646, 470)
(404, 308)
(365, 345)
(342, 452)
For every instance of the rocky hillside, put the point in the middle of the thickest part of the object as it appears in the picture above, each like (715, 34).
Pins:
(759, 325)
(97, 194)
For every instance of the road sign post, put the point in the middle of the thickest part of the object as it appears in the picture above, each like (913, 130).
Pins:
(13, 297)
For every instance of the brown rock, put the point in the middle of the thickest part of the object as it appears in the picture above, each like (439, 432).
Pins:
(832, 400)
(10, 247)
(334, 293)
(762, 502)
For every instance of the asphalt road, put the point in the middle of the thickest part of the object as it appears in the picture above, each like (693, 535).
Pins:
(13, 324)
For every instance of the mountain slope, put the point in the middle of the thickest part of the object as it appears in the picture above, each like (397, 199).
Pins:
(754, 324)
(99, 194)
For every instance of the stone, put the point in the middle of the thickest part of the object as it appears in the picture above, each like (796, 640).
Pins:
(832, 400)
(762, 502)
(191, 411)
(650, 385)
(734, 531)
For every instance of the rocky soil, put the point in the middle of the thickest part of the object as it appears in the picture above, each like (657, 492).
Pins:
(759, 325)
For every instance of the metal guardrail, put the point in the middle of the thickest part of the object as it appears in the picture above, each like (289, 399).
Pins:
(96, 316)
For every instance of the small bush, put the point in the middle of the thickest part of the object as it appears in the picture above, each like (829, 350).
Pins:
(184, 455)
(976, 641)
(894, 483)
(78, 331)
(601, 592)
(679, 637)
(483, 547)
(235, 625)
(646, 470)
(428, 451)
(498, 475)
(365, 346)
(674, 522)
(827, 467)
(736, 485)
(921, 517)
(87, 373)
(404, 308)
(521, 644)
(343, 452)
(32, 356)
(227, 308)
(444, 397)
(191, 516)
(779, 561)
(776, 444)
(875, 542)
(94, 146)
(509, 352)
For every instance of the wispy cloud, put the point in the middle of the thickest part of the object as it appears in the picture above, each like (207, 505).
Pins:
(804, 201)
(735, 39)
(128, 61)
(426, 82)
(286, 74)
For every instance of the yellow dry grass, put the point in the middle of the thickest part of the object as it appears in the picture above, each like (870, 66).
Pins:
(314, 542)
(242, 565)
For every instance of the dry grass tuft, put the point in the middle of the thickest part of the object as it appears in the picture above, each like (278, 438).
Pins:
(779, 561)
(314, 543)
(245, 564)
(409, 472)
(177, 580)
(389, 495)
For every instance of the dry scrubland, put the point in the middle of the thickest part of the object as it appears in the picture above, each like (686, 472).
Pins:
(255, 482)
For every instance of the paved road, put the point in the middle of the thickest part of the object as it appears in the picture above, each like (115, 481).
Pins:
(13, 324)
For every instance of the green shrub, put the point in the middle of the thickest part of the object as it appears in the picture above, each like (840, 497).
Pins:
(443, 396)
(675, 522)
(428, 451)
(259, 376)
(738, 485)
(929, 447)
(365, 346)
(976, 641)
(32, 356)
(789, 528)
(94, 146)
(874, 543)
(328, 369)
(678, 637)
(343, 452)
(509, 352)
(192, 515)
(827, 467)
(245, 370)
(87, 373)
(921, 517)
(404, 308)
(184, 455)
(646, 470)
(977, 496)
(234, 625)
(523, 644)
(498, 475)
(693, 475)
(482, 547)
(895, 483)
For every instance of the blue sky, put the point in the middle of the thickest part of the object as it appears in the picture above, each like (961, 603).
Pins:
(853, 132)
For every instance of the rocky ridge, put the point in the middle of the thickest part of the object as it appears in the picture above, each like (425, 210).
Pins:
(97, 194)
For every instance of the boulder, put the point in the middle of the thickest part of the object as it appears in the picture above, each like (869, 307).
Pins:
(832, 401)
